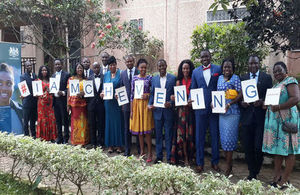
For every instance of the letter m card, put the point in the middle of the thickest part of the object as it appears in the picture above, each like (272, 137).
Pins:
(249, 89)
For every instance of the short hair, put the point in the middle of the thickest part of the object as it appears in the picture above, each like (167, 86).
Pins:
(282, 64)
(40, 75)
(128, 56)
(254, 56)
(231, 60)
(111, 60)
(180, 73)
(6, 68)
(162, 60)
(205, 50)
(142, 60)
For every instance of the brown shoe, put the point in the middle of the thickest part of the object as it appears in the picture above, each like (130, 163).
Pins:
(216, 168)
(199, 169)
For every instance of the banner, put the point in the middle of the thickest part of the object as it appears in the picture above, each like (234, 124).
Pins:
(138, 89)
(23, 88)
(37, 88)
(218, 101)
(108, 89)
(88, 88)
(54, 85)
(10, 71)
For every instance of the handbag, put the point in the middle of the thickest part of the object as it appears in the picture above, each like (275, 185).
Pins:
(231, 94)
(288, 127)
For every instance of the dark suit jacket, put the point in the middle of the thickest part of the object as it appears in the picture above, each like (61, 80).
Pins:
(93, 101)
(155, 83)
(258, 113)
(64, 77)
(29, 101)
(125, 82)
(198, 81)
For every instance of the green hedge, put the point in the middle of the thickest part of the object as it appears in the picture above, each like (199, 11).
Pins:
(114, 175)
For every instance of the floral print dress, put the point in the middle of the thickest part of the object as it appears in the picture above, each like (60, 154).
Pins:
(276, 141)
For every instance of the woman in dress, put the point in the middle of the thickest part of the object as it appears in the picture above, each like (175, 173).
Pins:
(46, 125)
(78, 107)
(141, 119)
(283, 145)
(114, 126)
(184, 137)
(229, 122)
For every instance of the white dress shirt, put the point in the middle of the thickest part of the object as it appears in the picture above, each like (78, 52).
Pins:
(97, 83)
(58, 76)
(87, 73)
(105, 69)
(207, 75)
(256, 76)
(132, 72)
(163, 81)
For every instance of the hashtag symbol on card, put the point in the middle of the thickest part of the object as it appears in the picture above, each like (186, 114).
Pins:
(23, 88)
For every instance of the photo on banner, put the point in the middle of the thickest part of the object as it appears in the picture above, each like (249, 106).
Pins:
(10, 101)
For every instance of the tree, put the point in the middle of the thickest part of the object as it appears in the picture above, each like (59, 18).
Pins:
(59, 26)
(225, 41)
(275, 22)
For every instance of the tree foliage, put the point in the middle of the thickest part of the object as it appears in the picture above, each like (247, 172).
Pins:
(225, 41)
(275, 22)
(51, 20)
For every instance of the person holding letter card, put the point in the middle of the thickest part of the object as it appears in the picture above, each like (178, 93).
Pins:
(114, 124)
(284, 145)
(78, 107)
(184, 136)
(141, 119)
(206, 77)
(46, 125)
(229, 122)
(163, 117)
(253, 117)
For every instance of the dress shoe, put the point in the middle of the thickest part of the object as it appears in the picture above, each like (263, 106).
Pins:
(250, 177)
(199, 169)
(59, 141)
(216, 168)
(156, 161)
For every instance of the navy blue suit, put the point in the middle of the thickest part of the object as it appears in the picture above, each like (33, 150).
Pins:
(96, 113)
(29, 105)
(205, 117)
(60, 109)
(163, 117)
(126, 110)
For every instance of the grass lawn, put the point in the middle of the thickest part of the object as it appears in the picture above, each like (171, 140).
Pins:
(10, 186)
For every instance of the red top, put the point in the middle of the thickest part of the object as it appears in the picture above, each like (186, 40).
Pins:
(187, 84)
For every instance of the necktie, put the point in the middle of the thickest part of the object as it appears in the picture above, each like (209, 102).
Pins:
(130, 76)
(253, 76)
(206, 67)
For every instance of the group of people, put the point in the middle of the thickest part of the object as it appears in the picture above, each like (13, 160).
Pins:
(104, 123)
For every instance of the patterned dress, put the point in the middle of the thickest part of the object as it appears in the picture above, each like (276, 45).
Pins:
(46, 125)
(79, 122)
(229, 122)
(142, 121)
(184, 129)
(276, 141)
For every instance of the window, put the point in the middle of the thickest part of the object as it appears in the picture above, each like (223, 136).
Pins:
(138, 23)
(224, 16)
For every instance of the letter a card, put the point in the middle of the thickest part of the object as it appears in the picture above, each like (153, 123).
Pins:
(54, 85)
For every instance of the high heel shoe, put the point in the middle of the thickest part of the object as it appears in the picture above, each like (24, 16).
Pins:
(275, 183)
(149, 159)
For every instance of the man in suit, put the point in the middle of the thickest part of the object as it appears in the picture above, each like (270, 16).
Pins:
(86, 65)
(96, 108)
(60, 103)
(163, 117)
(253, 118)
(206, 77)
(29, 102)
(126, 78)
(104, 59)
